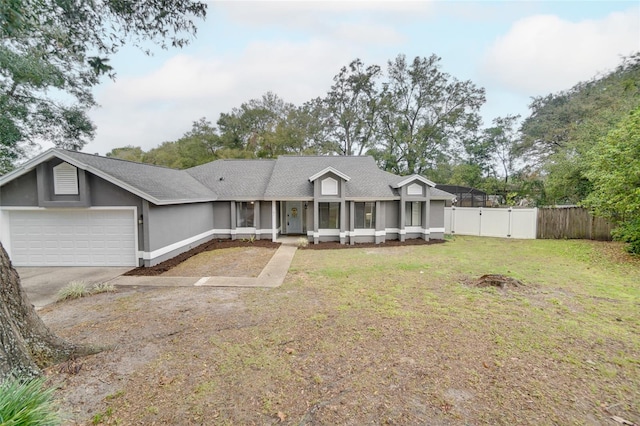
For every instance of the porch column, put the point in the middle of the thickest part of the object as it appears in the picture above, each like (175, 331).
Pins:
(343, 219)
(233, 220)
(425, 220)
(316, 215)
(380, 234)
(256, 218)
(352, 222)
(274, 232)
(402, 233)
(427, 214)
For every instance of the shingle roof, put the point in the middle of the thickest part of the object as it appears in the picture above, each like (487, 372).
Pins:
(235, 179)
(287, 177)
(290, 178)
(159, 185)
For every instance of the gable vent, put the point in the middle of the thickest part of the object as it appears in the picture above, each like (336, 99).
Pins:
(65, 179)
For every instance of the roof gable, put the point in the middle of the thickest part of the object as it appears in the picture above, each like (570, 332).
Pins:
(412, 178)
(158, 185)
(329, 170)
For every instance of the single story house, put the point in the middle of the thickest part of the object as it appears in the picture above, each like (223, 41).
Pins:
(68, 208)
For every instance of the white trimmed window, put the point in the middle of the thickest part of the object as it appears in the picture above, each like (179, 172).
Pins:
(329, 215)
(245, 214)
(365, 215)
(65, 179)
(414, 189)
(413, 213)
(329, 186)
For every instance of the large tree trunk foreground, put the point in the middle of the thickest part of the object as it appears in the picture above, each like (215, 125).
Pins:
(26, 343)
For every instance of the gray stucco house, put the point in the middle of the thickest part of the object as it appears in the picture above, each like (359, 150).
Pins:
(69, 208)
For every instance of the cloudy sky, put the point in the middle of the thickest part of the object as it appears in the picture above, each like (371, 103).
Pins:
(514, 49)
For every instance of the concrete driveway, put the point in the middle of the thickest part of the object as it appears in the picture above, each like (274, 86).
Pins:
(42, 283)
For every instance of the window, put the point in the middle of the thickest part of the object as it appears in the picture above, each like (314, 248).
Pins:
(329, 215)
(366, 215)
(65, 179)
(329, 186)
(413, 213)
(244, 215)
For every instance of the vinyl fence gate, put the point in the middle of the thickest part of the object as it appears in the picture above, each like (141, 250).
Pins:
(491, 222)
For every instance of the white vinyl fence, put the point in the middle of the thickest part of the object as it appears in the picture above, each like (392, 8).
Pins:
(491, 222)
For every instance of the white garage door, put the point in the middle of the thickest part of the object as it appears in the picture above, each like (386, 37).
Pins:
(72, 238)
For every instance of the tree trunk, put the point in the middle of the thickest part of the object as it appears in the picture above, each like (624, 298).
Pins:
(26, 344)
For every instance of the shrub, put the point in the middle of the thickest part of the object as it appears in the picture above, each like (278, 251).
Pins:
(73, 290)
(302, 242)
(27, 403)
(103, 288)
(629, 232)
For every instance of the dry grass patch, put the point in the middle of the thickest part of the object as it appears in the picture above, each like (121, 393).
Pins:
(229, 262)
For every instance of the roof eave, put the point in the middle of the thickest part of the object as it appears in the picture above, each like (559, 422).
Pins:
(412, 178)
(329, 170)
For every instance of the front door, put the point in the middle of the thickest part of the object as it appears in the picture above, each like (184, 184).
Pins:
(294, 217)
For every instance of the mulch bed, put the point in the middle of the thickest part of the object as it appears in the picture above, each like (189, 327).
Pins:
(217, 244)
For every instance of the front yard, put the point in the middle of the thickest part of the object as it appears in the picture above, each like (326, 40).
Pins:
(395, 335)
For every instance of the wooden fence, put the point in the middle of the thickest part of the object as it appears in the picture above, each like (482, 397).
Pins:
(571, 223)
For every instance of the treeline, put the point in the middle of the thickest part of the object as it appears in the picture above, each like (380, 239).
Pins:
(411, 116)
(414, 118)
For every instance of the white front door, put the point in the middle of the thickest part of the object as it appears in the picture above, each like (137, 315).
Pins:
(294, 217)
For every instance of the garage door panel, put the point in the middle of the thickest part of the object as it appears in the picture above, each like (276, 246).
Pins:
(72, 238)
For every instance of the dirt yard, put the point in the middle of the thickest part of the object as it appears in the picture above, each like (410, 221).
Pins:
(382, 335)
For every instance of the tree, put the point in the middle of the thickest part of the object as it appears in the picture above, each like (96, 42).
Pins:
(27, 344)
(53, 52)
(46, 48)
(424, 111)
(613, 167)
(245, 129)
(129, 153)
(563, 127)
(351, 109)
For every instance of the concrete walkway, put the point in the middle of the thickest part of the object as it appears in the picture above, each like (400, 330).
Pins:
(271, 276)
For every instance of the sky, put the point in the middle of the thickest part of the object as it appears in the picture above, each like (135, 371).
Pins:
(516, 50)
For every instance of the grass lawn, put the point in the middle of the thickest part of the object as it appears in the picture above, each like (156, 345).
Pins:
(391, 335)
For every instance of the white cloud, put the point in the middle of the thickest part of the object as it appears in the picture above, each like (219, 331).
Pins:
(542, 54)
(147, 110)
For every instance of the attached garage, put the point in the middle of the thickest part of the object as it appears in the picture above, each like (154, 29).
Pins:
(72, 237)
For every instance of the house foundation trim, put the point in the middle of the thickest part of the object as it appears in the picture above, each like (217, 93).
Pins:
(171, 247)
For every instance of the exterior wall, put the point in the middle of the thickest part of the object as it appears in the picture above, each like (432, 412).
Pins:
(174, 229)
(392, 212)
(436, 220)
(22, 191)
(222, 219)
(333, 234)
(46, 193)
(265, 231)
(35, 189)
(106, 194)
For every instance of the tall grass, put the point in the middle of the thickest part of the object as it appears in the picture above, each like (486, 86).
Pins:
(27, 403)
